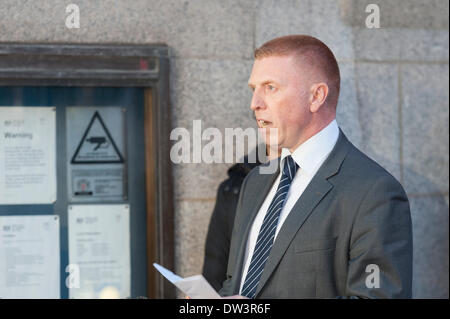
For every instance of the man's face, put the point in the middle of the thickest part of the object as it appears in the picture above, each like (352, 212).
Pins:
(280, 98)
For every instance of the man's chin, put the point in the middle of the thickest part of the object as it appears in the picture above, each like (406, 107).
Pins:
(269, 135)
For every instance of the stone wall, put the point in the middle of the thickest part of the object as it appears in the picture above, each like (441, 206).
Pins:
(394, 102)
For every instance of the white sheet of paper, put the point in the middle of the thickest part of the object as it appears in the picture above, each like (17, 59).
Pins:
(29, 257)
(196, 287)
(27, 155)
(167, 273)
(99, 246)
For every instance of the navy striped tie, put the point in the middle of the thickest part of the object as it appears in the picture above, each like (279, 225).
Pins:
(267, 232)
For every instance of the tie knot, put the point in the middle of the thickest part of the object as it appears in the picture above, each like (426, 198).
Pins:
(290, 167)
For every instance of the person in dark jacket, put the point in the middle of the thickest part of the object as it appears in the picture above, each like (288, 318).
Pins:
(221, 224)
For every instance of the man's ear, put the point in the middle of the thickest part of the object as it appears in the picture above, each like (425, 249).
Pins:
(318, 96)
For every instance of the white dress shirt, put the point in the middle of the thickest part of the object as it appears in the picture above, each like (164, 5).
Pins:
(309, 156)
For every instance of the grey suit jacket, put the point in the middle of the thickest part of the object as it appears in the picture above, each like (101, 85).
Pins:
(352, 215)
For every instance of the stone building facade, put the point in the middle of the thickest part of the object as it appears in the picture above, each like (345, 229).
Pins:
(394, 101)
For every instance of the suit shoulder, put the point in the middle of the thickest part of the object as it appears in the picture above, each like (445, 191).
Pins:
(366, 171)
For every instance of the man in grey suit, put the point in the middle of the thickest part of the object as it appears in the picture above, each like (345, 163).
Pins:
(330, 223)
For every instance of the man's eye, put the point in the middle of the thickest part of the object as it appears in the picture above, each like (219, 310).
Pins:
(270, 87)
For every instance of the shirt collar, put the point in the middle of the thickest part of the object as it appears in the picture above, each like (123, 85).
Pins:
(314, 150)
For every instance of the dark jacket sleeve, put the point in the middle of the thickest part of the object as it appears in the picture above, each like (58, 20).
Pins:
(380, 256)
(219, 233)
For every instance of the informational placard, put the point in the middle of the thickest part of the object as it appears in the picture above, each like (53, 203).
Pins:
(27, 155)
(99, 250)
(29, 257)
(96, 154)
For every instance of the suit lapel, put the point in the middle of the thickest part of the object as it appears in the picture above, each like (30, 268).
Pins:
(252, 205)
(317, 189)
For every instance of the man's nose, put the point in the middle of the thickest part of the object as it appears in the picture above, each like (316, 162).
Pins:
(257, 101)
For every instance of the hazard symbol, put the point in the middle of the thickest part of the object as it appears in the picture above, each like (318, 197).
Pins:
(97, 146)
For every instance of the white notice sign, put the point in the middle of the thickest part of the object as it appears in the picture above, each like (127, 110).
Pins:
(27, 155)
(95, 140)
(99, 248)
(29, 257)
